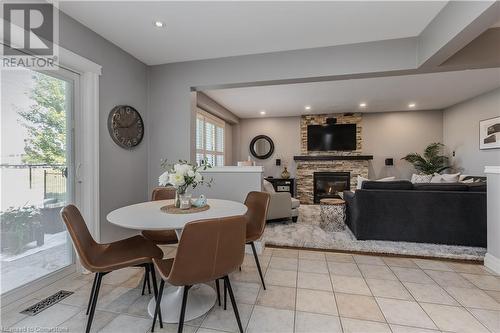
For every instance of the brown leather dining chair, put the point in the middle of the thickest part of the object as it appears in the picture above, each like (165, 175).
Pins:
(104, 258)
(208, 250)
(159, 237)
(257, 206)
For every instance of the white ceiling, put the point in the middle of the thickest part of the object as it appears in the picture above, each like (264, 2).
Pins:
(202, 30)
(427, 91)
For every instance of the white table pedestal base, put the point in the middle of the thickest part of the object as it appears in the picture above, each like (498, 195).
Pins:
(201, 298)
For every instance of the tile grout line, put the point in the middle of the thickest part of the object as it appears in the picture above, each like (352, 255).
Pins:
(335, 295)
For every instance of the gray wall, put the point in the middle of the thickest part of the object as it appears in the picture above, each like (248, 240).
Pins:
(123, 176)
(461, 132)
(387, 134)
(395, 134)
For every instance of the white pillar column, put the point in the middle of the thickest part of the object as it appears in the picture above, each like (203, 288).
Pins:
(492, 258)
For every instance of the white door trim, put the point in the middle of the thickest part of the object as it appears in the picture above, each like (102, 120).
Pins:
(86, 137)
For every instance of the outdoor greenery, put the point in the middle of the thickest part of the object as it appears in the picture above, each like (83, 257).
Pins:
(19, 226)
(431, 162)
(45, 121)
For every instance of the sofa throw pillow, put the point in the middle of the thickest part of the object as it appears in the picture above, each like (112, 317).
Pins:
(363, 179)
(445, 178)
(268, 187)
(420, 178)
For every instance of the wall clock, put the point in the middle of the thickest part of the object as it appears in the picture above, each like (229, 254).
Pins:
(125, 126)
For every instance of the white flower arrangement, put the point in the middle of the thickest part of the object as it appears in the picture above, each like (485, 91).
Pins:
(183, 175)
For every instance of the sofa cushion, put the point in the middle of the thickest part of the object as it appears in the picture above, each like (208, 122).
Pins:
(361, 180)
(390, 185)
(477, 187)
(441, 187)
(295, 203)
(268, 187)
(445, 178)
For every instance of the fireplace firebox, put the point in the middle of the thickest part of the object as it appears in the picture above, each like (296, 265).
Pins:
(329, 184)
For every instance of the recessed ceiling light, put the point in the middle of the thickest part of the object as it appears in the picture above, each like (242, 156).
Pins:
(307, 107)
(262, 113)
(159, 24)
(362, 105)
(412, 105)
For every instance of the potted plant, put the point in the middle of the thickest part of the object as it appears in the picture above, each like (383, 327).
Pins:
(433, 161)
(182, 176)
(20, 226)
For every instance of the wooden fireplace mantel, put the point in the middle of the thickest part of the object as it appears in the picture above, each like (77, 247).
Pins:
(333, 158)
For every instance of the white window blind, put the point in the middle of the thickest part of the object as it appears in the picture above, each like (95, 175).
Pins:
(209, 138)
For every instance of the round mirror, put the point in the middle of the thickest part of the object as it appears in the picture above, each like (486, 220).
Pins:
(262, 147)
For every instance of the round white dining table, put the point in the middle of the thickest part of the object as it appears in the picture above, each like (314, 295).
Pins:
(149, 216)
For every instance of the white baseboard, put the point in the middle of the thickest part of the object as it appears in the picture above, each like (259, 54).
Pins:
(492, 262)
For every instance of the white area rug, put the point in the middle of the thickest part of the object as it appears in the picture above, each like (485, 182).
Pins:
(306, 233)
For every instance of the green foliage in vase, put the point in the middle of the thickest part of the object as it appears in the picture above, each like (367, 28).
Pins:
(19, 223)
(432, 161)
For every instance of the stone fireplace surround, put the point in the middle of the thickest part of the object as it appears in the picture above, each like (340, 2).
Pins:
(330, 161)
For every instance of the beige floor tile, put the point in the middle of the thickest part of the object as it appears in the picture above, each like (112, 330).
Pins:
(78, 323)
(363, 326)
(468, 268)
(306, 322)
(119, 299)
(9, 315)
(51, 317)
(316, 301)
(406, 313)
(486, 282)
(313, 266)
(408, 329)
(411, 275)
(313, 255)
(358, 307)
(246, 275)
(389, 289)
(281, 278)
(314, 281)
(346, 269)
(449, 279)
(366, 259)
(81, 295)
(244, 292)
(270, 320)
(225, 320)
(201, 330)
(249, 261)
(128, 324)
(277, 297)
(494, 294)
(267, 251)
(429, 293)
(376, 272)
(285, 253)
(118, 277)
(399, 262)
(489, 318)
(350, 285)
(433, 264)
(140, 306)
(289, 264)
(339, 257)
(453, 319)
(473, 298)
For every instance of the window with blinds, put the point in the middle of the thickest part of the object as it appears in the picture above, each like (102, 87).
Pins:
(209, 139)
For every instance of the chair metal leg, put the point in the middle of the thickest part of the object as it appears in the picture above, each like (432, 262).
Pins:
(217, 287)
(157, 307)
(258, 264)
(183, 309)
(149, 283)
(225, 295)
(146, 279)
(233, 302)
(155, 289)
(94, 301)
(91, 294)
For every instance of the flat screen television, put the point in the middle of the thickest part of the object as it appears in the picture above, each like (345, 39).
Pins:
(331, 137)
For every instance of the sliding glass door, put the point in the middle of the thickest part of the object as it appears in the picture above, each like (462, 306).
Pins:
(37, 173)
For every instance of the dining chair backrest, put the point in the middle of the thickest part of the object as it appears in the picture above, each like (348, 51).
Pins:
(208, 250)
(82, 239)
(257, 204)
(163, 193)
